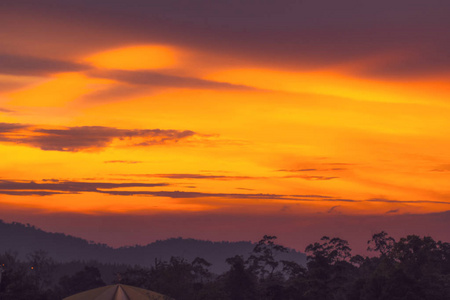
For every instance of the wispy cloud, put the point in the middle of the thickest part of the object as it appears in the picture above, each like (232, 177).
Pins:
(255, 196)
(80, 138)
(154, 79)
(11, 127)
(332, 209)
(54, 186)
(226, 177)
(406, 201)
(311, 177)
(312, 170)
(192, 176)
(50, 187)
(442, 168)
(123, 162)
(4, 110)
(28, 65)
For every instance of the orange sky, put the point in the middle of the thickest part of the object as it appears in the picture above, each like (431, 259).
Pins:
(156, 118)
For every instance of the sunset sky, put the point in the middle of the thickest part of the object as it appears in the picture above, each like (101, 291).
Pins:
(124, 122)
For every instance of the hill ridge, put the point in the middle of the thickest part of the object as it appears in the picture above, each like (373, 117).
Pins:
(26, 238)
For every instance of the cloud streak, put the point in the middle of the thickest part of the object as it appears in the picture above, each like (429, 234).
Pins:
(227, 177)
(28, 65)
(51, 187)
(123, 162)
(4, 110)
(192, 176)
(311, 177)
(382, 200)
(252, 196)
(333, 208)
(20, 188)
(311, 170)
(442, 168)
(54, 187)
(81, 138)
(11, 127)
(154, 79)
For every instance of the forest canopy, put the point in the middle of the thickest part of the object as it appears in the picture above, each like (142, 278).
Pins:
(410, 268)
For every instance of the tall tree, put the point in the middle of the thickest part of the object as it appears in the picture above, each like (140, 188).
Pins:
(88, 278)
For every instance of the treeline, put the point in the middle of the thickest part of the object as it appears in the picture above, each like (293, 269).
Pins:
(408, 269)
(39, 277)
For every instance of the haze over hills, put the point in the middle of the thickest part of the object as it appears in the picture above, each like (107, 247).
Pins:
(63, 248)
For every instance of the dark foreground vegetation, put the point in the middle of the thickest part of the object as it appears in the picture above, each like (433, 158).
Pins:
(408, 269)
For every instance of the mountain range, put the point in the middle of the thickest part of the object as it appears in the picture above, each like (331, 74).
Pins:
(25, 239)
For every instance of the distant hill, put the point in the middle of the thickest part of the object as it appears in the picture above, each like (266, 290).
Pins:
(63, 248)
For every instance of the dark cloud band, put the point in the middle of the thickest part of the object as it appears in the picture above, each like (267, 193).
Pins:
(192, 176)
(46, 188)
(27, 65)
(286, 33)
(154, 79)
(81, 138)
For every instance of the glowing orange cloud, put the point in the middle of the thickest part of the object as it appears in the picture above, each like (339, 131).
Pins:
(333, 83)
(135, 58)
(57, 91)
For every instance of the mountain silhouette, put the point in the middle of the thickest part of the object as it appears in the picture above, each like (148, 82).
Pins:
(25, 239)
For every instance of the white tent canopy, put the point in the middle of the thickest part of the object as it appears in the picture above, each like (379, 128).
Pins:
(118, 292)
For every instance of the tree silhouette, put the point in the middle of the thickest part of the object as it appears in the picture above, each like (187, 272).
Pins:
(381, 242)
(240, 281)
(412, 268)
(263, 257)
(88, 278)
(329, 268)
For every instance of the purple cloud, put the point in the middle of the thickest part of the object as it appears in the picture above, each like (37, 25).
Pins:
(52, 186)
(28, 65)
(74, 139)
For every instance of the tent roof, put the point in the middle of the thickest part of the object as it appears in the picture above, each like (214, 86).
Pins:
(118, 292)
